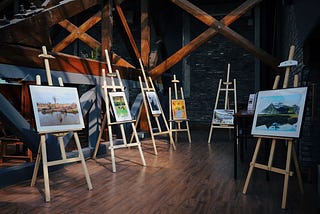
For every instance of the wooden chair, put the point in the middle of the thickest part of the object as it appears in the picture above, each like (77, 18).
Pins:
(21, 152)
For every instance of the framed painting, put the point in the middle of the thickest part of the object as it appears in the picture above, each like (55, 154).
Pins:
(223, 116)
(279, 112)
(178, 109)
(252, 102)
(56, 109)
(120, 106)
(154, 103)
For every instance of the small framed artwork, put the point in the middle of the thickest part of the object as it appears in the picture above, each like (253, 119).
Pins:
(223, 117)
(154, 103)
(252, 102)
(279, 112)
(56, 109)
(120, 106)
(178, 109)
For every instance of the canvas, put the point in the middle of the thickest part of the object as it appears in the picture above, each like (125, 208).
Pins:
(56, 109)
(223, 117)
(120, 106)
(279, 112)
(179, 109)
(154, 103)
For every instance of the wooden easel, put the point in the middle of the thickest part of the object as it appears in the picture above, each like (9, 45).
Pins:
(290, 148)
(149, 87)
(42, 146)
(173, 121)
(227, 89)
(107, 118)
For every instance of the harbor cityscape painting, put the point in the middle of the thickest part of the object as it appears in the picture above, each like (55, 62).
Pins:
(56, 109)
(279, 112)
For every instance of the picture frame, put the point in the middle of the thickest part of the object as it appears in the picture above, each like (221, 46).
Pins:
(279, 112)
(56, 109)
(120, 106)
(154, 103)
(252, 102)
(178, 109)
(223, 116)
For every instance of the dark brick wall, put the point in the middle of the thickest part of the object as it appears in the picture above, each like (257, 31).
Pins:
(292, 33)
(209, 64)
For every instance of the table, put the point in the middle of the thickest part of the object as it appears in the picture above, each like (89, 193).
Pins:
(242, 131)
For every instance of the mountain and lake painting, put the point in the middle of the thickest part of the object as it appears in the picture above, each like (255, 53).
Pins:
(279, 112)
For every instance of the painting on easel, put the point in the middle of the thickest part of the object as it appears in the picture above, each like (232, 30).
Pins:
(56, 109)
(120, 106)
(223, 116)
(179, 109)
(153, 102)
(279, 112)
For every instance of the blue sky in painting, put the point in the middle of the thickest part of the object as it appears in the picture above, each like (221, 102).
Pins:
(63, 94)
(294, 99)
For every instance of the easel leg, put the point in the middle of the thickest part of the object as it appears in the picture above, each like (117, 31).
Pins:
(169, 130)
(176, 133)
(171, 139)
(36, 167)
(45, 168)
(123, 134)
(103, 125)
(210, 133)
(189, 136)
(113, 160)
(83, 162)
(153, 142)
(254, 158)
(273, 145)
(62, 149)
(139, 144)
(286, 176)
(296, 164)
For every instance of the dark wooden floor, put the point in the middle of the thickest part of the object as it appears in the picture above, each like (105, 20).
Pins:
(196, 178)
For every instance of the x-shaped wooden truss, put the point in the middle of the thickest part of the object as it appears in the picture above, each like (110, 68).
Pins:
(215, 27)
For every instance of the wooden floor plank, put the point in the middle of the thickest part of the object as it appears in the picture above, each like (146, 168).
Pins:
(196, 178)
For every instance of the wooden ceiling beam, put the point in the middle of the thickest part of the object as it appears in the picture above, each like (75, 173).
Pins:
(79, 33)
(145, 33)
(19, 32)
(62, 62)
(201, 39)
(49, 3)
(106, 29)
(133, 46)
(226, 31)
(119, 61)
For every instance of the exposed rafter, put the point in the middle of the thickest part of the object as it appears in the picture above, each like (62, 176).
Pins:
(132, 44)
(215, 27)
(79, 33)
(145, 32)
